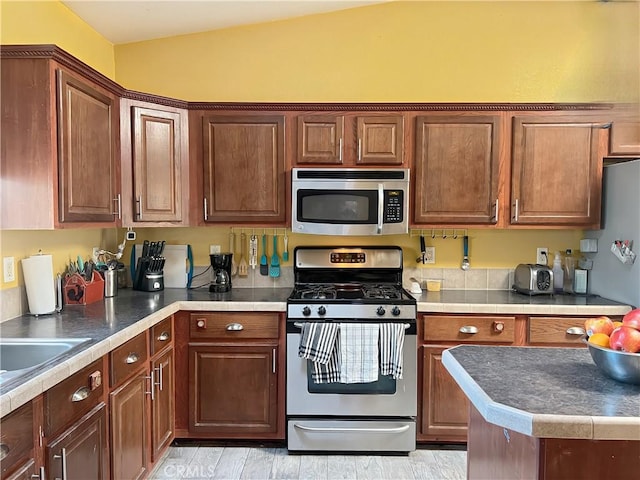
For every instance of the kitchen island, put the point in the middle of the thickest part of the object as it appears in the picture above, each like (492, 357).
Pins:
(545, 413)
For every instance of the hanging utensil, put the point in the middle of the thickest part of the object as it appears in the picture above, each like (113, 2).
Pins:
(423, 250)
(253, 251)
(264, 267)
(274, 269)
(243, 270)
(285, 255)
(232, 243)
(465, 253)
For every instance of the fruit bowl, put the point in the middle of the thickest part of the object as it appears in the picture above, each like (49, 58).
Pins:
(621, 366)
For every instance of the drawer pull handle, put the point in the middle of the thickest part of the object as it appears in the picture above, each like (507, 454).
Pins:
(235, 327)
(4, 451)
(575, 331)
(40, 475)
(80, 394)
(163, 337)
(469, 329)
(152, 384)
(132, 358)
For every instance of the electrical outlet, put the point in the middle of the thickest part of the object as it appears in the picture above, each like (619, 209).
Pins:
(542, 255)
(430, 255)
(9, 269)
(214, 249)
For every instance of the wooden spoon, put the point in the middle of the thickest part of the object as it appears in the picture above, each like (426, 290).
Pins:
(243, 267)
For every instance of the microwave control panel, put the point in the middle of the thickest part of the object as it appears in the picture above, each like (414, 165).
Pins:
(393, 206)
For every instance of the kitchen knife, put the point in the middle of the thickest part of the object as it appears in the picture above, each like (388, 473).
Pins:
(145, 248)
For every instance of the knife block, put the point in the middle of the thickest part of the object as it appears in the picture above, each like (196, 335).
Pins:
(78, 291)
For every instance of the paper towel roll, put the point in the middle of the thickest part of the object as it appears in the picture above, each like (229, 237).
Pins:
(38, 280)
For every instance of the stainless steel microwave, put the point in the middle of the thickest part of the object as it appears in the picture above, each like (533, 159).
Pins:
(350, 201)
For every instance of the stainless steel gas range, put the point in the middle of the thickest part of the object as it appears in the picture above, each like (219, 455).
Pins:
(351, 288)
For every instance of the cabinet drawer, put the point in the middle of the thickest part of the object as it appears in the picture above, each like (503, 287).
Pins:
(73, 397)
(556, 329)
(161, 335)
(16, 437)
(128, 358)
(231, 326)
(461, 328)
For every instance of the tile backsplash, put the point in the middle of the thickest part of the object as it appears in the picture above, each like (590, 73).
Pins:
(14, 300)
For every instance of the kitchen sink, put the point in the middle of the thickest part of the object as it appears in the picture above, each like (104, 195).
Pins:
(20, 356)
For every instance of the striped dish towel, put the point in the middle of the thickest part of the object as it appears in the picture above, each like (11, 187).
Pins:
(391, 343)
(358, 352)
(320, 343)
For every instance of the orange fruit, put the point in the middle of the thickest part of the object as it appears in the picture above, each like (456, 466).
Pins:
(599, 339)
(616, 325)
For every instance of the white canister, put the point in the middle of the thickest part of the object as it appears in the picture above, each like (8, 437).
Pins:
(580, 281)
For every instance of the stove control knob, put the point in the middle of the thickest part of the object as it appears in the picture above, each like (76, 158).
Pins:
(321, 310)
(395, 311)
(380, 311)
(306, 311)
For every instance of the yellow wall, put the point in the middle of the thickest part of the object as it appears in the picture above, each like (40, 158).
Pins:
(402, 51)
(405, 52)
(50, 22)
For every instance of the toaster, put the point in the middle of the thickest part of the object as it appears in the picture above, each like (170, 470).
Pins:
(533, 279)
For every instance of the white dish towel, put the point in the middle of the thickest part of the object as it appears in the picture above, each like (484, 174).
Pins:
(391, 344)
(358, 352)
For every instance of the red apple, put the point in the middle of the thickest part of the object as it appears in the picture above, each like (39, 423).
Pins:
(598, 325)
(626, 339)
(632, 319)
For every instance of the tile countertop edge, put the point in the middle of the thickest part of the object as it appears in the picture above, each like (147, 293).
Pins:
(540, 425)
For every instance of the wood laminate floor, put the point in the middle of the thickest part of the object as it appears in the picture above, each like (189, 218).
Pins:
(200, 461)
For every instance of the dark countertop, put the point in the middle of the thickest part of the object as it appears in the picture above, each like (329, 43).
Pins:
(545, 392)
(113, 321)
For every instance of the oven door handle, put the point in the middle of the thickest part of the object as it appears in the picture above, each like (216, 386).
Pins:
(380, 207)
(402, 429)
(300, 325)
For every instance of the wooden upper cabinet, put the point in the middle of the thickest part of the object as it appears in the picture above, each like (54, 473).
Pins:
(244, 169)
(155, 164)
(625, 134)
(457, 169)
(557, 170)
(87, 130)
(350, 140)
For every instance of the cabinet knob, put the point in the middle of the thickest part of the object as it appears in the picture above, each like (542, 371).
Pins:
(471, 329)
(201, 323)
(498, 327)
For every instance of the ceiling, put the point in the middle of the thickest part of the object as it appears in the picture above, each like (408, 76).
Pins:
(125, 21)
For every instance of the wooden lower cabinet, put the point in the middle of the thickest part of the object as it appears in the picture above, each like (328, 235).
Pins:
(81, 451)
(233, 390)
(162, 404)
(17, 454)
(129, 428)
(445, 407)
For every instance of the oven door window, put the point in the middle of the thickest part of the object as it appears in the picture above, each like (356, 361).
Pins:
(338, 206)
(385, 385)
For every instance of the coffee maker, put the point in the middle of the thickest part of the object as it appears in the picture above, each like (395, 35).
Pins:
(221, 264)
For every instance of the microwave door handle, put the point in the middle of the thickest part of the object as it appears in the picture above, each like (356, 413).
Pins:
(380, 207)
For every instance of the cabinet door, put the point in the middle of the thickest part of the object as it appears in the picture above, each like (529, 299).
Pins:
(87, 129)
(157, 165)
(457, 169)
(445, 407)
(320, 139)
(244, 177)
(163, 404)
(233, 390)
(80, 452)
(557, 170)
(16, 439)
(380, 140)
(129, 429)
(625, 136)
